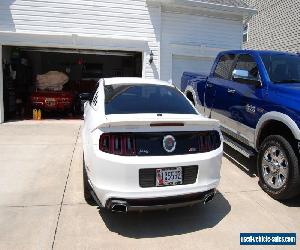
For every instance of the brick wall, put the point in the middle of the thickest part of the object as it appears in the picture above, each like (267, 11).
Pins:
(276, 26)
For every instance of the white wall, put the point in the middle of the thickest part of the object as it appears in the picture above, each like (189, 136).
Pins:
(118, 19)
(196, 36)
(181, 64)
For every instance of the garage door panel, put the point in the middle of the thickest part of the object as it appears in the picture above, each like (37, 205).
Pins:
(181, 64)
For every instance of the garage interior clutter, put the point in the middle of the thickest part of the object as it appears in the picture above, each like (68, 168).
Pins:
(55, 83)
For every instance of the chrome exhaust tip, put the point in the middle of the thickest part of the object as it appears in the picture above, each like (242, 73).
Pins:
(208, 198)
(119, 206)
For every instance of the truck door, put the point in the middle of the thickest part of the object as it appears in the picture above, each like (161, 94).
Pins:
(247, 93)
(216, 87)
(234, 101)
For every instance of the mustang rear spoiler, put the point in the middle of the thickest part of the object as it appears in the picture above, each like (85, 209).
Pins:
(157, 122)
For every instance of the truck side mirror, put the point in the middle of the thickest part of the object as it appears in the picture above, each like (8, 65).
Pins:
(244, 76)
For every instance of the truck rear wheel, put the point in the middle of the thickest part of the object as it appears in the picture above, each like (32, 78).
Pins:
(189, 96)
(278, 168)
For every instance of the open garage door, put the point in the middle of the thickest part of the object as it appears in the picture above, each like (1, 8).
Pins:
(28, 70)
(181, 64)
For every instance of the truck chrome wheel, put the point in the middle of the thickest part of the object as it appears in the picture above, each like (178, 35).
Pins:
(278, 168)
(275, 167)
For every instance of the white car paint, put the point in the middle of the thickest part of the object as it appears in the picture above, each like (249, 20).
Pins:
(114, 176)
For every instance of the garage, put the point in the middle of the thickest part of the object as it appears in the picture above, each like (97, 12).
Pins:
(148, 38)
(191, 42)
(181, 64)
(56, 82)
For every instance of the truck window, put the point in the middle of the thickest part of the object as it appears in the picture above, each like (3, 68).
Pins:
(247, 62)
(224, 67)
(282, 68)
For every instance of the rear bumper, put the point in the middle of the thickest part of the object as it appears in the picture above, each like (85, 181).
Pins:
(58, 106)
(117, 177)
(150, 204)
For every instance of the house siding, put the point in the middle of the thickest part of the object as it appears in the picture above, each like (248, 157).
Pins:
(275, 26)
(118, 19)
(196, 36)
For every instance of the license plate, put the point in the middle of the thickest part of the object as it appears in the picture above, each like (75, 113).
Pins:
(50, 102)
(168, 176)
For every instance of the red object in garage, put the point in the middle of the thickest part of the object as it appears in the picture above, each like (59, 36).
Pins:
(53, 100)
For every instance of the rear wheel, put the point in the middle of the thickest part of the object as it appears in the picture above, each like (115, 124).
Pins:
(86, 187)
(191, 98)
(278, 168)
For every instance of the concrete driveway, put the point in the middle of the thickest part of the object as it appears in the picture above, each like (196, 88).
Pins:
(42, 204)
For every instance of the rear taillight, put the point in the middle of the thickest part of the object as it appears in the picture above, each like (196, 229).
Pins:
(104, 143)
(118, 144)
(35, 99)
(209, 141)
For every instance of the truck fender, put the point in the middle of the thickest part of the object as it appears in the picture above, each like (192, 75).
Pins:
(273, 115)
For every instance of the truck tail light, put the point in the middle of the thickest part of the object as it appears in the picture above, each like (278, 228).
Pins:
(117, 144)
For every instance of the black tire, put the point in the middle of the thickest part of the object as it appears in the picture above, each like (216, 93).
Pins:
(193, 102)
(191, 98)
(86, 187)
(290, 186)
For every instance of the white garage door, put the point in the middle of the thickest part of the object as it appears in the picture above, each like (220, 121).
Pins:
(181, 64)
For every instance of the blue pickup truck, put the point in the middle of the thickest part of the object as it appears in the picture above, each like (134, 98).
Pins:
(256, 97)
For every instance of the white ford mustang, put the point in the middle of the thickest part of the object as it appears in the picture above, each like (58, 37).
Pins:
(146, 147)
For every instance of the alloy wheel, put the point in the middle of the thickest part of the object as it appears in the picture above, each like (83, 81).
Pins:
(275, 167)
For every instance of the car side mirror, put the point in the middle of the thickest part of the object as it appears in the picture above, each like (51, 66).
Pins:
(244, 76)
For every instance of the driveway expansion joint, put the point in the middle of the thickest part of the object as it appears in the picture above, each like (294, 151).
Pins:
(241, 191)
(65, 187)
(74, 204)
(274, 216)
(28, 206)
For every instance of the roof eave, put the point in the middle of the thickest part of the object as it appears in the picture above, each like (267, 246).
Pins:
(245, 12)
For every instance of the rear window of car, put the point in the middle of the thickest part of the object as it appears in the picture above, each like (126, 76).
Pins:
(133, 99)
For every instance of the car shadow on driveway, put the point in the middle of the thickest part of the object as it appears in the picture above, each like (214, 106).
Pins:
(162, 223)
(295, 202)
